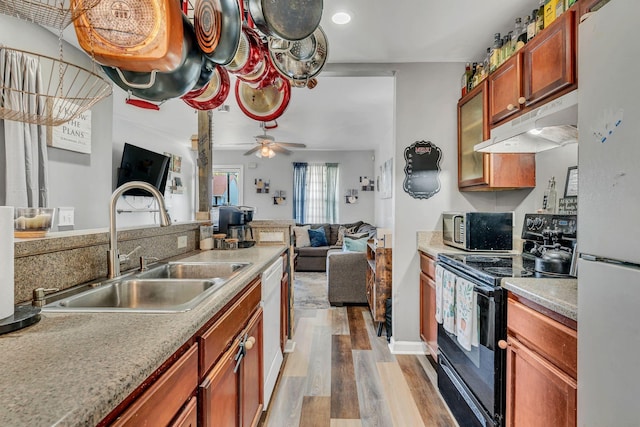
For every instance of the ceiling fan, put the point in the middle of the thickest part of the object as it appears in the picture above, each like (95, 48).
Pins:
(267, 146)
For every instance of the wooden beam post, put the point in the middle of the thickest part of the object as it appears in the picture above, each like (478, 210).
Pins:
(205, 162)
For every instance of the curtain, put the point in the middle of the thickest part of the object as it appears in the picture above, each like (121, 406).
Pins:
(23, 145)
(331, 195)
(299, 191)
(316, 193)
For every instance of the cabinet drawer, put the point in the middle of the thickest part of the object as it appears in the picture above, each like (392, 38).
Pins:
(428, 265)
(551, 339)
(216, 339)
(188, 416)
(160, 403)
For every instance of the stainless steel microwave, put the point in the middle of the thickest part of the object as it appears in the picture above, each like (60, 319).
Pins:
(478, 231)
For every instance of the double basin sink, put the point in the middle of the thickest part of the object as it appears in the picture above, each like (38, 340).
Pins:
(163, 288)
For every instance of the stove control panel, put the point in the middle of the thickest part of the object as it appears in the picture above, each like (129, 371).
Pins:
(535, 226)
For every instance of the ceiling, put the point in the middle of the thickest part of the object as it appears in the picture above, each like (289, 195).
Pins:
(352, 110)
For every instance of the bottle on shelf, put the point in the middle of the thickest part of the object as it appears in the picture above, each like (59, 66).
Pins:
(540, 17)
(560, 7)
(474, 69)
(464, 82)
(495, 52)
(531, 26)
(478, 76)
(506, 48)
(520, 34)
(550, 199)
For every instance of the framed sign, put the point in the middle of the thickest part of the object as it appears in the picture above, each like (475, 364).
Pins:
(571, 186)
(75, 135)
(422, 169)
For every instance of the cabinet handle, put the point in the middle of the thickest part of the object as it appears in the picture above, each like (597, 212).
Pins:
(503, 344)
(511, 107)
(522, 100)
(249, 343)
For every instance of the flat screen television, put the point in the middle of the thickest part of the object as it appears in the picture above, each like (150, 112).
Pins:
(139, 164)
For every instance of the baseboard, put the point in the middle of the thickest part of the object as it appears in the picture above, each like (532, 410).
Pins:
(407, 347)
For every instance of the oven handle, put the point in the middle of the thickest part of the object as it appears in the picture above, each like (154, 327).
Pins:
(488, 291)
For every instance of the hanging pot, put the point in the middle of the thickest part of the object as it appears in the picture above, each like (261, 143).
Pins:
(159, 86)
(266, 103)
(215, 93)
(135, 35)
(249, 55)
(218, 24)
(301, 60)
(289, 20)
(206, 73)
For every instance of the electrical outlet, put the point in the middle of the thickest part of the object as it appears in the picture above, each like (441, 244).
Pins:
(182, 242)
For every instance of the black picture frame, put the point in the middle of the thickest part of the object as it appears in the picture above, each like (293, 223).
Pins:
(571, 184)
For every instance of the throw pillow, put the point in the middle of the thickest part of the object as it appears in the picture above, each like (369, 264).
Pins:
(317, 237)
(344, 230)
(354, 245)
(302, 236)
(356, 236)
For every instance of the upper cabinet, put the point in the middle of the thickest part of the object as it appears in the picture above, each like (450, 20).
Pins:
(485, 171)
(544, 68)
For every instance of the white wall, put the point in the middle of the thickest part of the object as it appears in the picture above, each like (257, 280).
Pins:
(426, 98)
(279, 171)
(82, 181)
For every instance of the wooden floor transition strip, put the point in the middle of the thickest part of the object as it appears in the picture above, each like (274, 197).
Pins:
(430, 404)
(344, 394)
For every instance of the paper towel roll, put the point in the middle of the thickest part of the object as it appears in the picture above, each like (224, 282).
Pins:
(7, 297)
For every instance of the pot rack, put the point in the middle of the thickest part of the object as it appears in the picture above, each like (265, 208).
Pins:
(56, 14)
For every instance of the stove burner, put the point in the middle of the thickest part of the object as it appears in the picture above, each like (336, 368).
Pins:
(506, 271)
(484, 259)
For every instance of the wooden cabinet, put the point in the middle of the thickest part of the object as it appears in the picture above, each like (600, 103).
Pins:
(163, 401)
(487, 171)
(541, 367)
(543, 69)
(378, 281)
(251, 385)
(428, 324)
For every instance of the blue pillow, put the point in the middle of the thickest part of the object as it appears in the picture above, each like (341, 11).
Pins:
(318, 237)
(354, 245)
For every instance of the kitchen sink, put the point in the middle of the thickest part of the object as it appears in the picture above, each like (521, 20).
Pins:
(165, 288)
(193, 270)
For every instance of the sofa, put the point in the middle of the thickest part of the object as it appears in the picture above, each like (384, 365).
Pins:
(347, 277)
(315, 258)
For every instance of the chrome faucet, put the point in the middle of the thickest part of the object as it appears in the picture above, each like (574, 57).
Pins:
(113, 261)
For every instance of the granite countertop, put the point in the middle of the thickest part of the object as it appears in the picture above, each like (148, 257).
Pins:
(559, 295)
(72, 369)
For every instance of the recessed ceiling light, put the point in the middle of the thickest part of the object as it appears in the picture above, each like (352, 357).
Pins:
(341, 18)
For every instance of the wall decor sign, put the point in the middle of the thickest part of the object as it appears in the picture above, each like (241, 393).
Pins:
(280, 197)
(262, 186)
(351, 197)
(422, 169)
(571, 185)
(386, 179)
(366, 184)
(75, 135)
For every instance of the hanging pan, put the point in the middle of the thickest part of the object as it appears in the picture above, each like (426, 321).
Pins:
(266, 103)
(218, 24)
(159, 86)
(135, 35)
(301, 60)
(249, 56)
(286, 19)
(215, 93)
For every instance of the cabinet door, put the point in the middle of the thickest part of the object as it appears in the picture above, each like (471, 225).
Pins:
(428, 325)
(188, 417)
(538, 393)
(550, 60)
(473, 128)
(251, 374)
(505, 89)
(219, 393)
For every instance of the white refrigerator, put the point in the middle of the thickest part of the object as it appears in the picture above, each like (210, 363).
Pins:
(609, 216)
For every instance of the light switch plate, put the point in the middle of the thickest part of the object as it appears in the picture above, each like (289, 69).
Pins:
(65, 216)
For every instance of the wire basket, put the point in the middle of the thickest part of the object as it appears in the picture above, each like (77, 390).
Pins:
(66, 92)
(51, 13)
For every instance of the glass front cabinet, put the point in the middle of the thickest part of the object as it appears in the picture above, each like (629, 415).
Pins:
(487, 171)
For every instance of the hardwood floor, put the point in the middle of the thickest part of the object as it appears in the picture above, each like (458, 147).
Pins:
(341, 374)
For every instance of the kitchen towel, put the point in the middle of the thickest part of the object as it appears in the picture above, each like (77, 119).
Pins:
(466, 314)
(6, 262)
(439, 272)
(449, 302)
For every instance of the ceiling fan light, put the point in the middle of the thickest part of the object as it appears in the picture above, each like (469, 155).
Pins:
(271, 154)
(265, 151)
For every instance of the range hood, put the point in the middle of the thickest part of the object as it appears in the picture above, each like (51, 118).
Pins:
(551, 125)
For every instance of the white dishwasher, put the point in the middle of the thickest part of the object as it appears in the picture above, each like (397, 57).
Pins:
(272, 354)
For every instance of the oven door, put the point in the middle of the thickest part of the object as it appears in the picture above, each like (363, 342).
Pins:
(482, 368)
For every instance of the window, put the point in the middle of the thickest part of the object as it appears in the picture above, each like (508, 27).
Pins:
(315, 192)
(227, 188)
